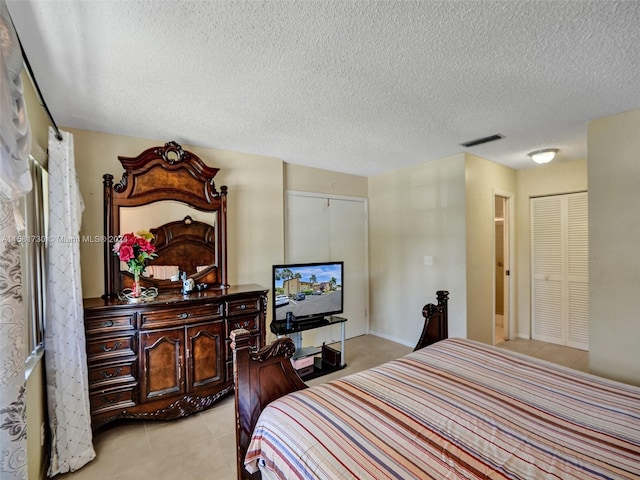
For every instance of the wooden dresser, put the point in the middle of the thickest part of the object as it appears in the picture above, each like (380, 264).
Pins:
(170, 357)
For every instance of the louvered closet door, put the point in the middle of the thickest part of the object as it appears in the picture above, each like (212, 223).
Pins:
(547, 253)
(560, 270)
(578, 271)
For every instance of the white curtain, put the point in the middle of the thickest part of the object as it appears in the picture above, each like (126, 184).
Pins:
(14, 125)
(13, 428)
(65, 349)
(15, 181)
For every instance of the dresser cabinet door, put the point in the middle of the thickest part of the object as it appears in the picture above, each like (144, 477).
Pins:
(161, 356)
(205, 355)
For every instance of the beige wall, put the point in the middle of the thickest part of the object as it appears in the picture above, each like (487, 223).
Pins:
(483, 179)
(614, 237)
(254, 213)
(308, 179)
(550, 179)
(416, 212)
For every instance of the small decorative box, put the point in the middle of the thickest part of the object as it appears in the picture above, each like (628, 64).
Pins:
(303, 362)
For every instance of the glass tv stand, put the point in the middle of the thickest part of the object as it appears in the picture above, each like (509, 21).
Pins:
(325, 359)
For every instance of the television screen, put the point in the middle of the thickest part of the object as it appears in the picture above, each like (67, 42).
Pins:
(307, 290)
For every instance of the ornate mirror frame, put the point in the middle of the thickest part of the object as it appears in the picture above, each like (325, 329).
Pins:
(162, 173)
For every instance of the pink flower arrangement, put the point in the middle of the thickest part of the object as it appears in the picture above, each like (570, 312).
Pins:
(135, 249)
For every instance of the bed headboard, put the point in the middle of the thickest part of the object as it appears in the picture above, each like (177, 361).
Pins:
(168, 177)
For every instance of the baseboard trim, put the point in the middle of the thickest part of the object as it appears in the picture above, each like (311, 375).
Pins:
(393, 339)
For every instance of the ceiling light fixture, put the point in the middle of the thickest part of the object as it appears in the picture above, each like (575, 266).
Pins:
(544, 156)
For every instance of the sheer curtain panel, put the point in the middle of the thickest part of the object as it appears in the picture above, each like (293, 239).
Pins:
(64, 339)
(15, 181)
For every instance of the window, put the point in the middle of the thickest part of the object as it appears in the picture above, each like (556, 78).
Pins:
(34, 210)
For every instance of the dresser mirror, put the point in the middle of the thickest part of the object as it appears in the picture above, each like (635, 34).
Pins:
(170, 192)
(159, 216)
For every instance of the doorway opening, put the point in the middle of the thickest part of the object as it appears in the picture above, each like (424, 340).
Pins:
(502, 270)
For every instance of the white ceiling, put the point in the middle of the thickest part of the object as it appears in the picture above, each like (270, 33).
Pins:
(360, 87)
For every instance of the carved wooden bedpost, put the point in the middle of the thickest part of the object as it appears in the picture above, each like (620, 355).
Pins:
(222, 238)
(109, 275)
(260, 377)
(436, 321)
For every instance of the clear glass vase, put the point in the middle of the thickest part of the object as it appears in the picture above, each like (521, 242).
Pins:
(136, 290)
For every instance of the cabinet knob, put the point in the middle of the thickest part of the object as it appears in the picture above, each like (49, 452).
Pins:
(243, 306)
(108, 323)
(114, 373)
(113, 398)
(244, 324)
(106, 348)
(184, 315)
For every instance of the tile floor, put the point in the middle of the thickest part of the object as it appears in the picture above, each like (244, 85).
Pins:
(202, 446)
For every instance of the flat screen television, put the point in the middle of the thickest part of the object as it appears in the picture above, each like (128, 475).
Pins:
(307, 290)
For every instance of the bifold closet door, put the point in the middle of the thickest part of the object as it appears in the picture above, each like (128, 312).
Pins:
(560, 270)
(322, 228)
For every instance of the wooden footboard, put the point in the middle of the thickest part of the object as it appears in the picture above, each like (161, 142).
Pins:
(261, 376)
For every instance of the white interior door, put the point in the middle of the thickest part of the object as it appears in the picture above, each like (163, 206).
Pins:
(547, 254)
(578, 271)
(560, 270)
(349, 243)
(322, 228)
(307, 229)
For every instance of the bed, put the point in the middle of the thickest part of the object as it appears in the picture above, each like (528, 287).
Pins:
(455, 409)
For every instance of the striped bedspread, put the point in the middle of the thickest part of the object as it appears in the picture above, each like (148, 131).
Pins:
(456, 409)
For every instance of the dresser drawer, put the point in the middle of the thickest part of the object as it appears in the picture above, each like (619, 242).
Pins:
(239, 307)
(114, 399)
(104, 348)
(106, 324)
(250, 323)
(110, 374)
(167, 317)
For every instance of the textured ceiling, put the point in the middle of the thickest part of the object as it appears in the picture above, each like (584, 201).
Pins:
(354, 86)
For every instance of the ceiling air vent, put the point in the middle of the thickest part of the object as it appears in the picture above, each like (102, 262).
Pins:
(480, 141)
